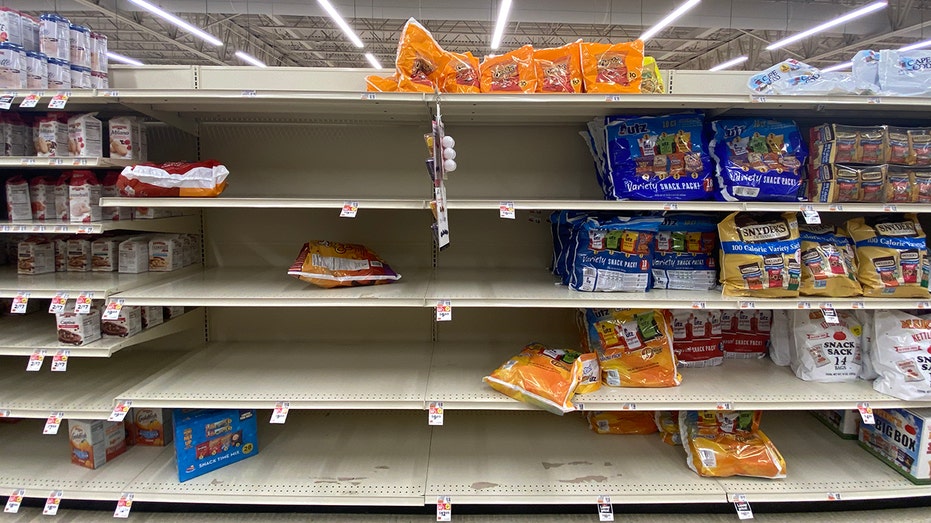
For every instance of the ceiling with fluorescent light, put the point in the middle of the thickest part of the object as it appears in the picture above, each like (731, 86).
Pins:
(299, 33)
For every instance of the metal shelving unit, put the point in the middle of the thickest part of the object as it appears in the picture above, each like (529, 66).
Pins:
(175, 224)
(64, 162)
(102, 284)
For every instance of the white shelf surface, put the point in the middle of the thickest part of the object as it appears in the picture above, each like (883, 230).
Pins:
(64, 162)
(309, 376)
(87, 390)
(175, 224)
(266, 203)
(23, 336)
(102, 284)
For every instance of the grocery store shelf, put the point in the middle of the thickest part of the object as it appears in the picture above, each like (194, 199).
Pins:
(23, 336)
(102, 284)
(264, 203)
(176, 224)
(708, 205)
(264, 287)
(309, 376)
(87, 390)
(64, 162)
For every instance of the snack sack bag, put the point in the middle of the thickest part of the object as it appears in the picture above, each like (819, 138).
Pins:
(826, 352)
(512, 72)
(461, 74)
(760, 255)
(892, 256)
(725, 443)
(697, 339)
(745, 333)
(865, 71)
(622, 422)
(684, 253)
(905, 73)
(382, 84)
(658, 158)
(195, 180)
(613, 255)
(667, 422)
(542, 376)
(829, 266)
(781, 341)
(901, 355)
(634, 347)
(758, 159)
(332, 264)
(651, 81)
(612, 68)
(420, 60)
(559, 69)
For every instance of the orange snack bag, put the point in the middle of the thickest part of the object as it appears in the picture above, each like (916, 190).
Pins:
(612, 68)
(667, 422)
(382, 84)
(634, 347)
(461, 74)
(420, 60)
(624, 422)
(542, 376)
(332, 264)
(511, 72)
(724, 443)
(559, 69)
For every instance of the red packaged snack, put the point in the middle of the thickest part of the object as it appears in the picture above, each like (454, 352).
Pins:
(148, 180)
(461, 74)
(421, 61)
(511, 72)
(559, 69)
(612, 68)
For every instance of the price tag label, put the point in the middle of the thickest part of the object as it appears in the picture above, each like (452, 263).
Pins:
(56, 161)
(6, 228)
(874, 100)
(369, 96)
(836, 207)
(249, 93)
(435, 413)
(866, 413)
(506, 210)
(699, 305)
(804, 305)
(31, 100)
(19, 303)
(444, 310)
(58, 303)
(280, 412)
(811, 217)
(444, 508)
(52, 423)
(629, 406)
(349, 209)
(5, 413)
(890, 208)
(830, 315)
(924, 305)
(52, 503)
(747, 305)
(60, 361)
(757, 99)
(79, 161)
(6, 101)
(124, 505)
(670, 206)
(14, 501)
(834, 496)
(605, 509)
(110, 94)
(613, 98)
(28, 161)
(858, 305)
(83, 304)
(35, 361)
(743, 510)
(120, 410)
(112, 312)
(59, 101)
(725, 405)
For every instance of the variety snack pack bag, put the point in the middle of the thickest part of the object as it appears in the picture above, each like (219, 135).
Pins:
(634, 347)
(760, 255)
(892, 255)
(723, 443)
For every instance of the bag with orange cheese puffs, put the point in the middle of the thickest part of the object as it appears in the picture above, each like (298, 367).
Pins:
(511, 72)
(559, 70)
(724, 443)
(612, 68)
(461, 74)
(421, 61)
(634, 347)
(622, 422)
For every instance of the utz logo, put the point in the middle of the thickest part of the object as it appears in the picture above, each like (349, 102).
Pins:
(915, 64)
(764, 232)
(734, 132)
(146, 417)
(634, 128)
(78, 435)
(896, 229)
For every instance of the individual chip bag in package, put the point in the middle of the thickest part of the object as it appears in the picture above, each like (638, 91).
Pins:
(901, 355)
(667, 422)
(760, 255)
(634, 347)
(559, 69)
(905, 73)
(658, 157)
(622, 422)
(543, 376)
(697, 339)
(725, 443)
(612, 68)
(652, 81)
(823, 351)
(758, 159)
(613, 255)
(684, 254)
(511, 72)
(892, 255)
(420, 60)
(829, 265)
(332, 264)
(461, 74)
(746, 333)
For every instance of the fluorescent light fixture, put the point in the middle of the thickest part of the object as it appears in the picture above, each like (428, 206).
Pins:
(248, 58)
(503, 10)
(729, 63)
(374, 61)
(838, 67)
(157, 11)
(865, 10)
(116, 57)
(916, 45)
(681, 10)
(350, 34)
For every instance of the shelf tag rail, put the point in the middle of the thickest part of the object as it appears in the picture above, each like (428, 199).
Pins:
(280, 412)
(14, 501)
(605, 508)
(52, 503)
(124, 505)
(444, 508)
(435, 413)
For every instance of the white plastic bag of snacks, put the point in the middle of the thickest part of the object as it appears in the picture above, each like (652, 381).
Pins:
(867, 346)
(905, 73)
(892, 256)
(826, 352)
(760, 255)
(902, 355)
(781, 341)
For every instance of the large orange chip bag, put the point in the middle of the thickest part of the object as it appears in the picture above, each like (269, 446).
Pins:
(382, 84)
(420, 61)
(724, 443)
(634, 347)
(559, 69)
(622, 422)
(461, 74)
(332, 264)
(511, 72)
(612, 68)
(544, 376)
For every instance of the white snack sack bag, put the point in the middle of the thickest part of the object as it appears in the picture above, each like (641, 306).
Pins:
(901, 355)
(826, 352)
(781, 342)
(905, 73)
(868, 345)
(866, 71)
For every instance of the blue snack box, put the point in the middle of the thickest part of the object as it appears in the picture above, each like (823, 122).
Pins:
(208, 439)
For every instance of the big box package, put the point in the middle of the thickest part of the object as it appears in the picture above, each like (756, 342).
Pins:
(94, 443)
(208, 439)
(900, 438)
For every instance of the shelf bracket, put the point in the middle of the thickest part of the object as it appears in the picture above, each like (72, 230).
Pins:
(189, 126)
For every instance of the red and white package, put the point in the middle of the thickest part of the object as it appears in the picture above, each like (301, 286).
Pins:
(109, 189)
(697, 337)
(745, 333)
(42, 197)
(84, 197)
(62, 197)
(18, 205)
(148, 180)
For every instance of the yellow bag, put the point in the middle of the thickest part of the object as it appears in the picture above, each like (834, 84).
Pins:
(667, 422)
(651, 81)
(623, 422)
(829, 265)
(892, 255)
(634, 347)
(333, 264)
(760, 255)
(724, 443)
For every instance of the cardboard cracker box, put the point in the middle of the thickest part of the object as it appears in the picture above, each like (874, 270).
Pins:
(149, 427)
(95, 443)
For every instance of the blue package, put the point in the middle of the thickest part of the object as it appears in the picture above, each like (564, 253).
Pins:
(685, 251)
(208, 439)
(758, 160)
(563, 223)
(658, 158)
(613, 255)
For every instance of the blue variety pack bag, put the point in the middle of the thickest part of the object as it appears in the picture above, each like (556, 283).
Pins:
(613, 255)
(759, 160)
(208, 439)
(684, 253)
(563, 224)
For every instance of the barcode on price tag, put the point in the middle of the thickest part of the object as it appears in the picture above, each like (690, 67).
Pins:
(613, 98)
(35, 360)
(444, 310)
(350, 209)
(59, 100)
(6, 101)
(83, 303)
(113, 309)
(435, 413)
(124, 505)
(605, 509)
(506, 210)
(629, 406)
(280, 412)
(830, 315)
(19, 303)
(58, 303)
(699, 305)
(31, 100)
(52, 503)
(60, 361)
(120, 410)
(444, 508)
(14, 501)
(866, 412)
(249, 93)
(52, 423)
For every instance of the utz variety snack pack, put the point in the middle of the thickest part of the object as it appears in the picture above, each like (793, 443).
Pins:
(634, 347)
(758, 159)
(614, 254)
(684, 253)
(725, 443)
(760, 255)
(697, 337)
(745, 333)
